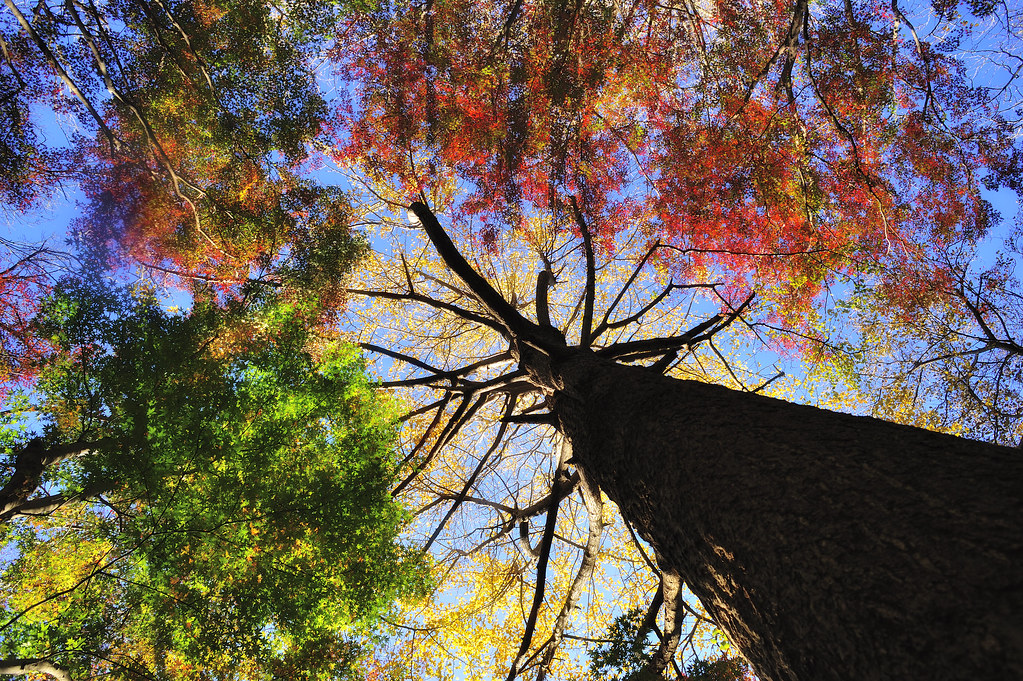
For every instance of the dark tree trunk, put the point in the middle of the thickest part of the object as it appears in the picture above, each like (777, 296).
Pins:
(828, 546)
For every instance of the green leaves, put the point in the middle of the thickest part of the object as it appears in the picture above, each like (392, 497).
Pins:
(620, 657)
(248, 522)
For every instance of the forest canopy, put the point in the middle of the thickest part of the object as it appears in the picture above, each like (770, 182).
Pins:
(288, 402)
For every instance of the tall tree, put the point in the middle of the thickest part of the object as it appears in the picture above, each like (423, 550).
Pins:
(779, 150)
(825, 544)
(791, 150)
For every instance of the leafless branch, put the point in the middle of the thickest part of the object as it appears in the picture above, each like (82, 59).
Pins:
(501, 430)
(560, 479)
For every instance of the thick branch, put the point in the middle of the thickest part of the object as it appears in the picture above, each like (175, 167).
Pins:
(515, 324)
(543, 311)
(655, 346)
(21, 667)
(54, 502)
(29, 466)
(671, 589)
(649, 622)
(590, 294)
(595, 511)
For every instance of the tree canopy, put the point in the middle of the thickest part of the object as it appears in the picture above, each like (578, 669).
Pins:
(217, 496)
(788, 198)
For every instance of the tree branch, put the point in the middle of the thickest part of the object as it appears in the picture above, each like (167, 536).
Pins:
(427, 300)
(514, 324)
(463, 413)
(54, 502)
(115, 143)
(560, 479)
(502, 429)
(595, 512)
(543, 311)
(621, 294)
(590, 294)
(671, 588)
(656, 346)
(35, 665)
(31, 463)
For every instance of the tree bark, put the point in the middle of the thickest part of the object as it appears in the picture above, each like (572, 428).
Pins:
(828, 546)
(22, 667)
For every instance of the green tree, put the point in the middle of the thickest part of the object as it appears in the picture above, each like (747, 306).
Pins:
(220, 508)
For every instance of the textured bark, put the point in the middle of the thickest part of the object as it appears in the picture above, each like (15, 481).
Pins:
(828, 546)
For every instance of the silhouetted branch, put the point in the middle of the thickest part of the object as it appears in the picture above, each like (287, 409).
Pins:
(426, 300)
(543, 312)
(560, 475)
(594, 510)
(463, 413)
(590, 293)
(621, 293)
(515, 325)
(31, 462)
(502, 429)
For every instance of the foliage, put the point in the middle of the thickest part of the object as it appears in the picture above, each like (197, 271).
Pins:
(201, 114)
(244, 526)
(621, 658)
(831, 157)
(775, 145)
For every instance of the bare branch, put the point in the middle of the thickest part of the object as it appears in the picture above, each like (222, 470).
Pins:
(768, 382)
(432, 302)
(594, 510)
(993, 340)
(513, 323)
(47, 505)
(425, 409)
(502, 429)
(442, 404)
(543, 312)
(560, 479)
(621, 294)
(646, 308)
(408, 359)
(462, 414)
(656, 346)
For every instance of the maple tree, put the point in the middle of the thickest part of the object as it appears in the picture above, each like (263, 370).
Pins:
(201, 115)
(208, 495)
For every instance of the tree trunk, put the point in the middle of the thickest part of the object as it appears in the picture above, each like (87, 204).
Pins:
(828, 546)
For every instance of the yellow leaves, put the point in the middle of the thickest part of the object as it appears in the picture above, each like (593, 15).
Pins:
(39, 580)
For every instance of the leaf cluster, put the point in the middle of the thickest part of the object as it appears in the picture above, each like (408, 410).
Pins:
(244, 520)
